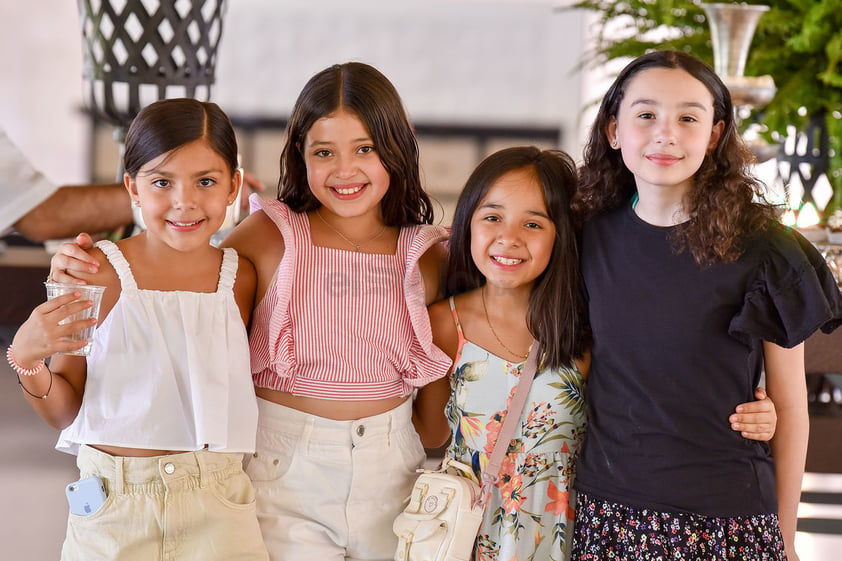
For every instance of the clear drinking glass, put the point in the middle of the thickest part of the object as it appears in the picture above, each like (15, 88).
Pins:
(89, 292)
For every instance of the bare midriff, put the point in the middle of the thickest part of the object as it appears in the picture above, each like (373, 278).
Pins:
(134, 452)
(328, 408)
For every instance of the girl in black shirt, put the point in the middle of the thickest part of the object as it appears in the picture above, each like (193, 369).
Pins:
(694, 291)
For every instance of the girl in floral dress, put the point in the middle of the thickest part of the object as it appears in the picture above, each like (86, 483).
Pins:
(512, 276)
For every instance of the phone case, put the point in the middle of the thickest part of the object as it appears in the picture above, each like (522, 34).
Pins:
(85, 496)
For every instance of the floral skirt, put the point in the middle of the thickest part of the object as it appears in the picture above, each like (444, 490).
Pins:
(606, 530)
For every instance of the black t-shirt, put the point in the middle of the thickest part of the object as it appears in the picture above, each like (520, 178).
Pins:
(676, 348)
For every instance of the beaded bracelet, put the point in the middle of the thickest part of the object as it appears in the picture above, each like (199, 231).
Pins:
(20, 369)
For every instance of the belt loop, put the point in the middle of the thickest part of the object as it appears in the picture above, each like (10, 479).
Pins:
(119, 475)
(307, 432)
(390, 426)
(201, 461)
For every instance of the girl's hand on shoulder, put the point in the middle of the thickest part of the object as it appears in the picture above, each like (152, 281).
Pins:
(72, 258)
(41, 335)
(756, 420)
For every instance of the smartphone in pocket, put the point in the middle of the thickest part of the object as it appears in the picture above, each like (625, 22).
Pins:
(86, 496)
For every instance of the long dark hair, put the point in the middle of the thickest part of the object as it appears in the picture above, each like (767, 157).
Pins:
(556, 306)
(721, 204)
(167, 124)
(364, 91)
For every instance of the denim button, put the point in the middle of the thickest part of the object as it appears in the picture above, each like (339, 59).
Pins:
(360, 430)
(169, 468)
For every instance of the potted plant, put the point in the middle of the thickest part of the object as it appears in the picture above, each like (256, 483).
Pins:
(797, 42)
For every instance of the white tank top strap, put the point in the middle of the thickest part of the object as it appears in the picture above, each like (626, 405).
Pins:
(228, 271)
(118, 261)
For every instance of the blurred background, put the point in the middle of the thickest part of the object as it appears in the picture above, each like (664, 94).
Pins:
(475, 75)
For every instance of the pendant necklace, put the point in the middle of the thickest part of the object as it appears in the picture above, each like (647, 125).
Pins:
(488, 320)
(357, 246)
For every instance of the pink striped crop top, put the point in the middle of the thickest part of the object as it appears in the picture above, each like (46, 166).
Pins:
(343, 325)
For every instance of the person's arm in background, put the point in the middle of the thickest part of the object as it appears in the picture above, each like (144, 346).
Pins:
(87, 208)
(74, 209)
(785, 385)
(39, 210)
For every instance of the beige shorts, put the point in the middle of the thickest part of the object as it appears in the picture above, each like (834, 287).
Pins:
(330, 490)
(189, 506)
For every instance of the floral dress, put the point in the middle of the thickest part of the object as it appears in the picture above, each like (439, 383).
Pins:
(530, 512)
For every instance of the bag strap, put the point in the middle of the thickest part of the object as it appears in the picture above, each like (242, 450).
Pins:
(491, 472)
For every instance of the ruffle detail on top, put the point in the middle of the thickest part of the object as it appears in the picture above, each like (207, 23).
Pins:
(793, 295)
(280, 337)
(428, 361)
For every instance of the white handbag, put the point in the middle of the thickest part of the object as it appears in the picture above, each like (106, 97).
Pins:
(444, 511)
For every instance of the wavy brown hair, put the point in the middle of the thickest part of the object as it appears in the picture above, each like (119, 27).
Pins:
(362, 90)
(556, 316)
(722, 205)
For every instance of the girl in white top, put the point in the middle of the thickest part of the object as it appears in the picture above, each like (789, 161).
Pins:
(163, 408)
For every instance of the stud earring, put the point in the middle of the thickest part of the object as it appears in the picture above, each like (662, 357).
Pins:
(614, 143)
(135, 203)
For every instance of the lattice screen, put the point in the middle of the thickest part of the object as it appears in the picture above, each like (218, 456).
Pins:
(140, 51)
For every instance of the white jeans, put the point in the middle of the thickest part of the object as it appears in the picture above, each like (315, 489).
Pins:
(330, 490)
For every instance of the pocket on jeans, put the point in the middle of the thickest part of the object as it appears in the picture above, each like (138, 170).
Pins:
(102, 511)
(235, 491)
(272, 458)
(411, 450)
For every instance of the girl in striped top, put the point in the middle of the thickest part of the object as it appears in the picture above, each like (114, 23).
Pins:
(346, 260)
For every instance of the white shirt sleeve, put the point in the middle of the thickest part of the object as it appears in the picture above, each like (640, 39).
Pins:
(22, 187)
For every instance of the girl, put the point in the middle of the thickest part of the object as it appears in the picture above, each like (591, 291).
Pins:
(694, 290)
(513, 275)
(346, 263)
(163, 408)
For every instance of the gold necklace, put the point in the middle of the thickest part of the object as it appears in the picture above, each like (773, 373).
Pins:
(488, 320)
(357, 246)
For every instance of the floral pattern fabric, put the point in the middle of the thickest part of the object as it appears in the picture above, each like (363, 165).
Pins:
(606, 530)
(530, 512)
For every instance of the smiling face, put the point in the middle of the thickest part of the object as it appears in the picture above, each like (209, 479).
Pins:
(183, 194)
(664, 128)
(344, 170)
(511, 233)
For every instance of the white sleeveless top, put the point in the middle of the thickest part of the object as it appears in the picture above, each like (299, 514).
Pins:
(168, 370)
